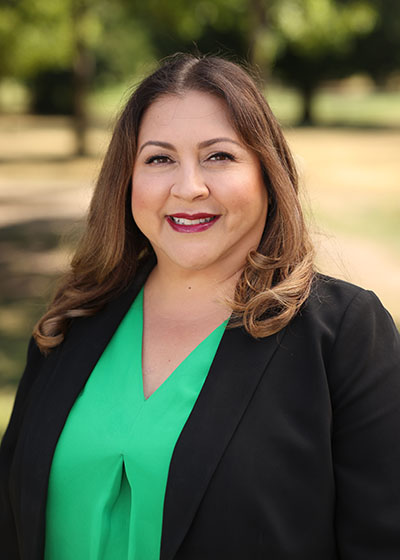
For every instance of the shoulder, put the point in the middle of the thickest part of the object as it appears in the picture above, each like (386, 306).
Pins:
(336, 302)
(352, 330)
(328, 292)
(341, 319)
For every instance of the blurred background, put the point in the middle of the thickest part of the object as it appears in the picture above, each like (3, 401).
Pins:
(331, 70)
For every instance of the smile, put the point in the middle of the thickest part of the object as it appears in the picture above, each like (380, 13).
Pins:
(184, 223)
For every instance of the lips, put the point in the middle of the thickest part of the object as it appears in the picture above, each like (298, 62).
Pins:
(192, 223)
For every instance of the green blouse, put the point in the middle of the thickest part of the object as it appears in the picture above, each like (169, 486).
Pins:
(109, 472)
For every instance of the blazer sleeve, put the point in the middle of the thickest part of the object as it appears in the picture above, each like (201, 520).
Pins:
(364, 376)
(8, 531)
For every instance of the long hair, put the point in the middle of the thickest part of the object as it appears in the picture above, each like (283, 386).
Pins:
(276, 278)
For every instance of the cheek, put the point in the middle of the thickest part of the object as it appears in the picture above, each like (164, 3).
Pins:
(250, 196)
(259, 192)
(142, 198)
(148, 193)
(138, 201)
(139, 207)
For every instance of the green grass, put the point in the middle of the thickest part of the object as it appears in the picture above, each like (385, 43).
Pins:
(13, 96)
(351, 108)
(285, 103)
(359, 108)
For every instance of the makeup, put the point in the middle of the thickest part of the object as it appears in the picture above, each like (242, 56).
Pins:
(192, 223)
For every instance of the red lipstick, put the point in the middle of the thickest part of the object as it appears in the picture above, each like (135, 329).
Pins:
(191, 223)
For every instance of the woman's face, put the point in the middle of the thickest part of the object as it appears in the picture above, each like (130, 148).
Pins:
(197, 191)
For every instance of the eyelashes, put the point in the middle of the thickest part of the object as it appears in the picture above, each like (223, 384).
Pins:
(222, 156)
(160, 159)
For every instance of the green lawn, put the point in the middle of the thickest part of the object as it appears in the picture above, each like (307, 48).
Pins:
(362, 108)
(354, 106)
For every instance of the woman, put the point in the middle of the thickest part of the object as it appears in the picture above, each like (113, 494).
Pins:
(196, 390)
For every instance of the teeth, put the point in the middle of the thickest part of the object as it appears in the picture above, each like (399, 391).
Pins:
(186, 222)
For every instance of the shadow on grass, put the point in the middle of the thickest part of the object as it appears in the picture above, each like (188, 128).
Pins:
(343, 125)
(47, 158)
(32, 256)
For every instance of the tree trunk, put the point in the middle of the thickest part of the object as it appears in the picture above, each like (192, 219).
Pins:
(259, 24)
(83, 73)
(307, 94)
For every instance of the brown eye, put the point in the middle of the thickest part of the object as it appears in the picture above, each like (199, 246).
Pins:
(159, 159)
(222, 156)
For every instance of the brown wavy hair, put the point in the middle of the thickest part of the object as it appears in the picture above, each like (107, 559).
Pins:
(276, 278)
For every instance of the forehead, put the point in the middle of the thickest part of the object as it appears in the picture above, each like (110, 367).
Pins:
(192, 112)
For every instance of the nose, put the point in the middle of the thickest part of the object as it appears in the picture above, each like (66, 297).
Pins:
(190, 183)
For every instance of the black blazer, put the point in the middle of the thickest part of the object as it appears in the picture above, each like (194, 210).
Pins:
(291, 452)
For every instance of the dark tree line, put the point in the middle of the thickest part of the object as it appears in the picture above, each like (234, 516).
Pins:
(64, 48)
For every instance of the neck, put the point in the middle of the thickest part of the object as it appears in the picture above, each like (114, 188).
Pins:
(188, 291)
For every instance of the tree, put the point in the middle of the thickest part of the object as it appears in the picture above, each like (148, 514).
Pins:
(189, 25)
(47, 54)
(378, 53)
(303, 42)
(316, 38)
(55, 47)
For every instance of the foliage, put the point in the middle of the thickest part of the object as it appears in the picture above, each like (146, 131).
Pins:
(378, 53)
(302, 42)
(124, 48)
(315, 28)
(316, 39)
(207, 26)
(41, 41)
(34, 35)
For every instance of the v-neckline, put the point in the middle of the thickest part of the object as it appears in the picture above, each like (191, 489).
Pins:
(175, 372)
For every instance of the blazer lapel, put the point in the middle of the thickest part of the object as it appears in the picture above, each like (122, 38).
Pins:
(64, 375)
(233, 378)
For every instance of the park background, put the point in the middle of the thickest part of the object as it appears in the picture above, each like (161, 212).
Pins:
(331, 70)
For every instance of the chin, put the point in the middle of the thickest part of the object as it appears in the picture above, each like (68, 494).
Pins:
(192, 261)
(194, 265)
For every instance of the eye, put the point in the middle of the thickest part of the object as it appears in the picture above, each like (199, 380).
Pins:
(222, 156)
(158, 159)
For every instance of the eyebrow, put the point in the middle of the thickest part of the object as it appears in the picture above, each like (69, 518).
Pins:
(204, 144)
